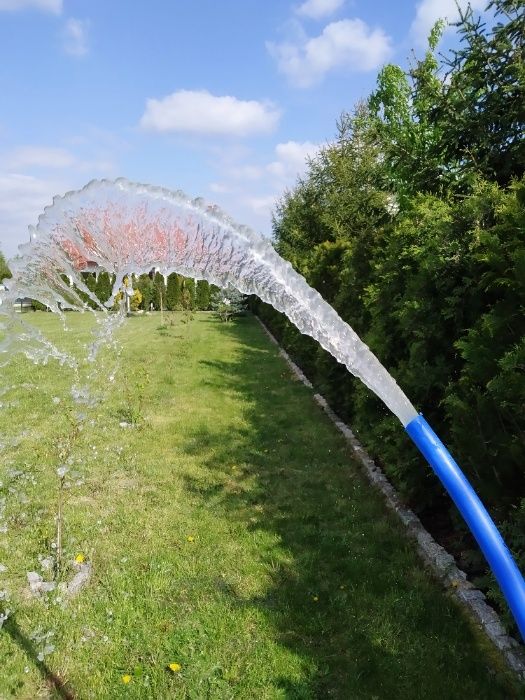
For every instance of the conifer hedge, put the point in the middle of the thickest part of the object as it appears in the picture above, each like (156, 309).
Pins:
(414, 230)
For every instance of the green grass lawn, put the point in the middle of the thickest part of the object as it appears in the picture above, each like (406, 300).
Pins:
(229, 532)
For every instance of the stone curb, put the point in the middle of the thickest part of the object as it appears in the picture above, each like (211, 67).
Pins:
(434, 555)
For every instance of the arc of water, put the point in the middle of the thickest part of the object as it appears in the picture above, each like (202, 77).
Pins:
(126, 228)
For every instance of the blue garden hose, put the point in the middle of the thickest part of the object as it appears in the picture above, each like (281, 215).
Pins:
(473, 511)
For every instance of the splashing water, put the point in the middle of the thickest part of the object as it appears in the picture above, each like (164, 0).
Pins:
(126, 228)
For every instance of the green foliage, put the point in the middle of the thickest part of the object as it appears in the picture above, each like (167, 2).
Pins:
(174, 292)
(440, 135)
(159, 291)
(188, 293)
(90, 281)
(136, 300)
(483, 104)
(5, 272)
(103, 287)
(227, 303)
(37, 305)
(411, 224)
(144, 284)
(403, 106)
(202, 296)
(486, 400)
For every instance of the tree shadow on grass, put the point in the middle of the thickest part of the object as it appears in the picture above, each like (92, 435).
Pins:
(57, 686)
(350, 597)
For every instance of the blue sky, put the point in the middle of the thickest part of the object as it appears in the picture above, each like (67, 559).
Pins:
(222, 99)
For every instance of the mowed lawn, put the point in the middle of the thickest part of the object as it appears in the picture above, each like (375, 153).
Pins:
(229, 531)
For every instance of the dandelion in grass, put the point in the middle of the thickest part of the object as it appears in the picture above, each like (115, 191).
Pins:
(315, 598)
(126, 678)
(174, 667)
(80, 558)
(190, 538)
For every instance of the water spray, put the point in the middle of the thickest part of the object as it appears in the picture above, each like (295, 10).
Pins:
(125, 228)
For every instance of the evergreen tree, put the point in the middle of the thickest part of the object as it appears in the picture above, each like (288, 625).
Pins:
(173, 292)
(188, 294)
(103, 287)
(159, 291)
(90, 282)
(482, 110)
(145, 285)
(202, 295)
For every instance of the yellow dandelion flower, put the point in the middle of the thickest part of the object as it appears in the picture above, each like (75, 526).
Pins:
(126, 678)
(315, 598)
(80, 559)
(174, 667)
(190, 538)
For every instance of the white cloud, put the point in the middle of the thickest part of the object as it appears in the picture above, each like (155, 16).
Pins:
(30, 176)
(315, 9)
(219, 188)
(200, 112)
(429, 11)
(246, 172)
(349, 44)
(46, 5)
(292, 158)
(251, 200)
(23, 190)
(22, 200)
(262, 206)
(39, 157)
(76, 37)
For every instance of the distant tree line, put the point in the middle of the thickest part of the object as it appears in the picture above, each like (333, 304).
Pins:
(412, 225)
(174, 293)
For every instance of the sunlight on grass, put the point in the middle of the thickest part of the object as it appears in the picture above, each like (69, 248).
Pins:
(235, 549)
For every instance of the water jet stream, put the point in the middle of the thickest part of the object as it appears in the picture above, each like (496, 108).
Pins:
(125, 227)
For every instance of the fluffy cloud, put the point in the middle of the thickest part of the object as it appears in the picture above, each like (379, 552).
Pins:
(30, 176)
(46, 5)
(76, 37)
(261, 206)
(429, 11)
(22, 200)
(316, 9)
(200, 112)
(292, 158)
(250, 192)
(348, 44)
(39, 157)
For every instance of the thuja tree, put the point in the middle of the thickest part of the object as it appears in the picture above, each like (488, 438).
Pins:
(91, 283)
(202, 295)
(103, 287)
(188, 293)
(416, 238)
(173, 292)
(144, 284)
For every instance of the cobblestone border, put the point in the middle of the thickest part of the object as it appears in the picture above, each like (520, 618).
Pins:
(434, 555)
